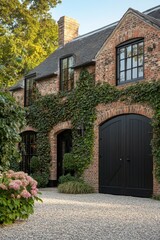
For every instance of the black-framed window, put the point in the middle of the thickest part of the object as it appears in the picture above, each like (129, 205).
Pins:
(28, 149)
(66, 73)
(29, 91)
(130, 61)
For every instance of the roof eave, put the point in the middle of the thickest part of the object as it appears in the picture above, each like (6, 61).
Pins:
(46, 76)
(86, 64)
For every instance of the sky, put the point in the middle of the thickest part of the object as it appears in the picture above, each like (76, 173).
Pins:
(94, 14)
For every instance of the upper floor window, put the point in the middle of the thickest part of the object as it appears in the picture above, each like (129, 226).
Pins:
(66, 74)
(29, 91)
(130, 61)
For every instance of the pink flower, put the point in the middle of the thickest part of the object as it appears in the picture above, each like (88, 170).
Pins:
(34, 192)
(2, 186)
(25, 183)
(18, 196)
(25, 194)
(10, 171)
(15, 184)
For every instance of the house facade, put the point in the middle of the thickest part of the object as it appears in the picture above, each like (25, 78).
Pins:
(121, 54)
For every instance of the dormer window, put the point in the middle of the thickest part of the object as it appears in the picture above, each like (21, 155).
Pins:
(66, 74)
(130, 61)
(29, 90)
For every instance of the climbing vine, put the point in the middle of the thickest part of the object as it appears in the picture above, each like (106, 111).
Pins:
(79, 106)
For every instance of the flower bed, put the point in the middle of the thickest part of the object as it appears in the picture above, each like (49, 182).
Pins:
(18, 192)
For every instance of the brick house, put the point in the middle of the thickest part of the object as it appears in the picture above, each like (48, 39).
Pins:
(120, 54)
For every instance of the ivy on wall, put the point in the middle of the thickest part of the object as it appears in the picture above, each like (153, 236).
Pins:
(79, 106)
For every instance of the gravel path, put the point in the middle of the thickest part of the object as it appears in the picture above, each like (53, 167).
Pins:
(88, 217)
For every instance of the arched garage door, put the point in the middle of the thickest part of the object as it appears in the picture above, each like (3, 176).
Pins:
(125, 166)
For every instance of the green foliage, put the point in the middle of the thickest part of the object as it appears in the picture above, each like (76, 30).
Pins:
(28, 35)
(75, 187)
(35, 164)
(79, 106)
(11, 121)
(18, 193)
(42, 179)
(67, 178)
(68, 162)
(156, 197)
(39, 171)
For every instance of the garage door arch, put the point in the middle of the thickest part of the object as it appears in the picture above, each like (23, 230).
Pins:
(125, 161)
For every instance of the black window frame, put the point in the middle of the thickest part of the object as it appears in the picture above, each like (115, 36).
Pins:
(28, 89)
(28, 149)
(130, 61)
(66, 84)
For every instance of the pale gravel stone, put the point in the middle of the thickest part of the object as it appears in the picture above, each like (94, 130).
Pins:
(88, 217)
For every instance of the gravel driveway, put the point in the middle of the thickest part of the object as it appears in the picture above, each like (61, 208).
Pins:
(88, 217)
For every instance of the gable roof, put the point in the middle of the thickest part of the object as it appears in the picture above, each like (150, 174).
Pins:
(89, 43)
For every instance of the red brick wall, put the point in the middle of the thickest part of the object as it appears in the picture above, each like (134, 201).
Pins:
(131, 26)
(19, 96)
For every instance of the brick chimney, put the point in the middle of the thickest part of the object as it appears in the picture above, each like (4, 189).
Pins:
(67, 30)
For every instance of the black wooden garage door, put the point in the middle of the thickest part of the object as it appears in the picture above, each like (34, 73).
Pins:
(125, 156)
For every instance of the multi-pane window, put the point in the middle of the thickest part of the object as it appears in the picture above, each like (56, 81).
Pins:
(29, 90)
(130, 62)
(28, 149)
(66, 74)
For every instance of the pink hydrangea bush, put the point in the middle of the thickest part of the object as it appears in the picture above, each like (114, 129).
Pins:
(18, 192)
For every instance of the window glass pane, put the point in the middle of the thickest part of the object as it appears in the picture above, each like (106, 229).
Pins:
(70, 73)
(64, 63)
(27, 84)
(134, 72)
(134, 49)
(140, 60)
(128, 75)
(128, 51)
(122, 65)
(140, 48)
(71, 62)
(122, 77)
(135, 61)
(128, 63)
(140, 72)
(122, 53)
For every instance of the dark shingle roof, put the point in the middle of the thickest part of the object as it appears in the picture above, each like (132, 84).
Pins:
(18, 85)
(153, 12)
(84, 47)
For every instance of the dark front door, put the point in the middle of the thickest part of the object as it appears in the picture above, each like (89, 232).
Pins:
(125, 156)
(64, 145)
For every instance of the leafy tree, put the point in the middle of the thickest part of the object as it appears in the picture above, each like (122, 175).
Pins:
(28, 35)
(11, 121)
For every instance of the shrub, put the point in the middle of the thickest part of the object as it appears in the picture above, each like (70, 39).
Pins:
(12, 119)
(41, 178)
(156, 197)
(35, 164)
(67, 178)
(18, 191)
(75, 187)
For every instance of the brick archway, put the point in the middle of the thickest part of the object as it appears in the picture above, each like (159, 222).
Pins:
(104, 113)
(53, 143)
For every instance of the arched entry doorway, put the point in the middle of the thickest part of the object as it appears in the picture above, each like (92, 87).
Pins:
(126, 164)
(64, 145)
(28, 149)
